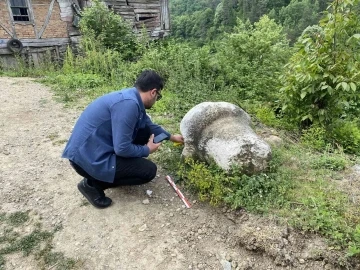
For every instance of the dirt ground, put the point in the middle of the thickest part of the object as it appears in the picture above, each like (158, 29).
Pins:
(133, 233)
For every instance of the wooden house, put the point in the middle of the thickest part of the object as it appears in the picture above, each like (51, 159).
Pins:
(33, 28)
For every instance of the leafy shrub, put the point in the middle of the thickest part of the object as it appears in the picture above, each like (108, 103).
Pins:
(347, 134)
(257, 193)
(331, 162)
(210, 182)
(78, 81)
(260, 192)
(321, 80)
(251, 58)
(267, 116)
(354, 244)
(100, 23)
(314, 137)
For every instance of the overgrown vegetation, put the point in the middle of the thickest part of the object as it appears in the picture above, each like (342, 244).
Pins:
(317, 112)
(21, 234)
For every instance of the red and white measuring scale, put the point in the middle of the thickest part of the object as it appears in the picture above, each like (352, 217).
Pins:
(186, 202)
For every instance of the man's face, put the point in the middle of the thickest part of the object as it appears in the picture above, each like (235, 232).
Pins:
(154, 95)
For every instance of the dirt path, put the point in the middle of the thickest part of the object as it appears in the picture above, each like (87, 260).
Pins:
(129, 234)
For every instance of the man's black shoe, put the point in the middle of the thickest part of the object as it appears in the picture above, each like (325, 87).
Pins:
(95, 196)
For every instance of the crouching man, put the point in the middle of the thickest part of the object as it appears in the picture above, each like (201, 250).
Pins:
(112, 138)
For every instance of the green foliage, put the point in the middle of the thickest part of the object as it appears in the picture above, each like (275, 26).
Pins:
(297, 16)
(101, 24)
(219, 16)
(324, 210)
(250, 59)
(257, 193)
(24, 66)
(79, 80)
(210, 182)
(314, 137)
(347, 134)
(267, 116)
(354, 244)
(330, 162)
(321, 80)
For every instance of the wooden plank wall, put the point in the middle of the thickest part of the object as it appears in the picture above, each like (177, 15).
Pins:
(35, 51)
(151, 13)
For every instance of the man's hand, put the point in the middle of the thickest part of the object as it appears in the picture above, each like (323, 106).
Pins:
(152, 146)
(177, 138)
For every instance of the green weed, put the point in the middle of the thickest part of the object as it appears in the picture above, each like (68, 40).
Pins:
(314, 137)
(331, 162)
(53, 136)
(36, 243)
(18, 218)
(267, 116)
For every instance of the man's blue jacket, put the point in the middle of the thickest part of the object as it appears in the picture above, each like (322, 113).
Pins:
(106, 128)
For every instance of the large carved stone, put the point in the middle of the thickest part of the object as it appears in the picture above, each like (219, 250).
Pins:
(221, 132)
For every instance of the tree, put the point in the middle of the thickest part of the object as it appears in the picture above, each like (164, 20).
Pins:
(252, 57)
(109, 30)
(297, 16)
(322, 81)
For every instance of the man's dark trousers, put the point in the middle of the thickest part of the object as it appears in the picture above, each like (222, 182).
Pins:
(129, 171)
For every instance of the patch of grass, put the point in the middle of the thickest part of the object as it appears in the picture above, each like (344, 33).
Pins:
(2, 217)
(299, 187)
(28, 243)
(53, 136)
(42, 102)
(36, 243)
(60, 142)
(315, 202)
(330, 162)
(314, 138)
(59, 260)
(18, 218)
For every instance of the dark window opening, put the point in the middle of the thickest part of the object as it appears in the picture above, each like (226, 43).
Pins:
(20, 10)
(145, 17)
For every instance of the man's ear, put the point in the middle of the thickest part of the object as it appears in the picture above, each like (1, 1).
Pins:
(153, 91)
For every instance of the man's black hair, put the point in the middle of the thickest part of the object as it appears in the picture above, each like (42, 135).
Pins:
(148, 80)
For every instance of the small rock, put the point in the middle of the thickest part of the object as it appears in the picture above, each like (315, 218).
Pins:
(143, 228)
(149, 192)
(356, 169)
(171, 214)
(146, 201)
(302, 261)
(225, 264)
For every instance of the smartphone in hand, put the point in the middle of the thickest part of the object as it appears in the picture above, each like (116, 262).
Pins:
(160, 137)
